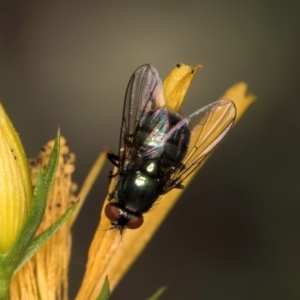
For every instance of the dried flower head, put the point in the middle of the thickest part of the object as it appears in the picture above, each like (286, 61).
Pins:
(45, 275)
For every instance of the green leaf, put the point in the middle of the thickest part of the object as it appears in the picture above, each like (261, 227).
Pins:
(105, 291)
(42, 238)
(158, 293)
(50, 172)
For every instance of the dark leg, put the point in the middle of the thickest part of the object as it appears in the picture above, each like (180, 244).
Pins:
(114, 159)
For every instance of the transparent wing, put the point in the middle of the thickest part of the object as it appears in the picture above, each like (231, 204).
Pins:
(144, 93)
(149, 135)
(208, 126)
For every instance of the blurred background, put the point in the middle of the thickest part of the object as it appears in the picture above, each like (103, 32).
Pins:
(235, 232)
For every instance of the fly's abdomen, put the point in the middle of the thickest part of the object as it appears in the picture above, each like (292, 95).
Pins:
(176, 145)
(150, 134)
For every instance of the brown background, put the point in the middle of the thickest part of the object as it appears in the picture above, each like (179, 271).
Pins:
(235, 232)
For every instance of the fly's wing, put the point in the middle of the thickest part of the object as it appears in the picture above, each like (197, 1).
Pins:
(149, 136)
(208, 126)
(144, 93)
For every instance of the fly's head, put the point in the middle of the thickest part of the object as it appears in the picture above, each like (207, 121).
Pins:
(121, 218)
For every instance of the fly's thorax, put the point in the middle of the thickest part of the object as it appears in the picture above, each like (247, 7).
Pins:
(136, 191)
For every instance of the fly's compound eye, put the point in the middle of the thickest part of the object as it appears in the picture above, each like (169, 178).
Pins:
(121, 218)
(112, 212)
(135, 222)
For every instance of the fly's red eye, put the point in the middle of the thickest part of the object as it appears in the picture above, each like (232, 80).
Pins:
(122, 219)
(112, 212)
(135, 222)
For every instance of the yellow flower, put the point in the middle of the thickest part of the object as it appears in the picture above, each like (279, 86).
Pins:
(15, 186)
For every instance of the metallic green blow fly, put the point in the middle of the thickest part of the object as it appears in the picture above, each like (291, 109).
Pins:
(159, 148)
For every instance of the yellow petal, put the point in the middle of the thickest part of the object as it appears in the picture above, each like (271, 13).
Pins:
(242, 99)
(102, 249)
(177, 83)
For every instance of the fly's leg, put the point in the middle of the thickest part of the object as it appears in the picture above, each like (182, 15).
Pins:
(179, 186)
(172, 185)
(114, 159)
(111, 175)
(110, 196)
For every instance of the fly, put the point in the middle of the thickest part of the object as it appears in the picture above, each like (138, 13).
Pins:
(159, 148)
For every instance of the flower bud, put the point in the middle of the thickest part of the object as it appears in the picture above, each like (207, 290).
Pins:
(15, 185)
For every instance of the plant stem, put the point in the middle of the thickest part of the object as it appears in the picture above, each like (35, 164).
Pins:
(4, 288)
